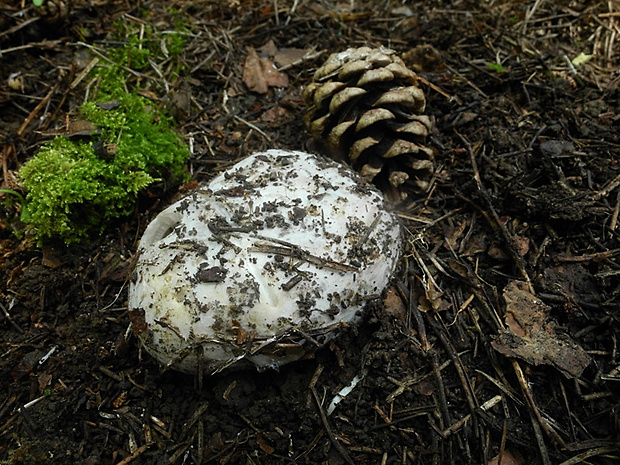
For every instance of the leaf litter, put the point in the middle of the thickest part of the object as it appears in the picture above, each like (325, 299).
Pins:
(532, 336)
(526, 191)
(260, 73)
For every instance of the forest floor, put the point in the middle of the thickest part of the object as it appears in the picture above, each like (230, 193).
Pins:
(497, 341)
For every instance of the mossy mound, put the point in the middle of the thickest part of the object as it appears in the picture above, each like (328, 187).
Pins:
(76, 185)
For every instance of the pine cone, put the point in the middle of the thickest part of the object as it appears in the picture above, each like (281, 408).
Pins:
(365, 107)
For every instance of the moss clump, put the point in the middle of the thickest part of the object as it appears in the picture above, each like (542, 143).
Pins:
(74, 187)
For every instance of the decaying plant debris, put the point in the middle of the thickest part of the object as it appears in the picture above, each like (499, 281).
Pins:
(522, 211)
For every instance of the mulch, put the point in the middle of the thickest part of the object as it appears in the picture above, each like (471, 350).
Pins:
(497, 341)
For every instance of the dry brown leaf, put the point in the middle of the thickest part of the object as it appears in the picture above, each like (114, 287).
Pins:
(424, 388)
(274, 114)
(288, 56)
(394, 305)
(463, 118)
(531, 336)
(432, 299)
(507, 458)
(459, 268)
(259, 73)
(453, 233)
(475, 245)
(44, 380)
(269, 49)
(253, 73)
(264, 444)
(80, 128)
(273, 77)
(497, 252)
(523, 245)
(149, 94)
(575, 281)
(424, 58)
(52, 258)
(138, 323)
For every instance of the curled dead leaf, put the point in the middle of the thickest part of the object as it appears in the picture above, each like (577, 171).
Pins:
(81, 128)
(424, 388)
(394, 305)
(507, 458)
(264, 444)
(532, 336)
(289, 56)
(260, 73)
(432, 299)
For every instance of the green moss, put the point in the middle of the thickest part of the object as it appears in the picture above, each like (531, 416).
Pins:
(113, 77)
(74, 187)
(497, 67)
(143, 137)
(175, 43)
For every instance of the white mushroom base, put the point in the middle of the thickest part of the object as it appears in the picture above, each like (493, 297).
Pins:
(267, 261)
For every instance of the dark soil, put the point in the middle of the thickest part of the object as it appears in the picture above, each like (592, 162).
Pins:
(499, 336)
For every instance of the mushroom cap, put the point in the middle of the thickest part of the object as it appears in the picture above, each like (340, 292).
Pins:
(272, 256)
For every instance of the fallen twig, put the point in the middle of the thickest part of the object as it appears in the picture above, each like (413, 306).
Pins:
(341, 450)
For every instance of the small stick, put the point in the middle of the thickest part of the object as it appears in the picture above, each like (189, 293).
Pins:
(610, 186)
(37, 109)
(459, 423)
(597, 256)
(415, 311)
(529, 14)
(442, 401)
(19, 26)
(295, 252)
(42, 44)
(315, 376)
(341, 450)
(440, 90)
(307, 57)
(443, 336)
(291, 283)
(136, 453)
(536, 418)
(468, 82)
(508, 236)
(8, 317)
(366, 234)
(83, 73)
(614, 217)
(253, 126)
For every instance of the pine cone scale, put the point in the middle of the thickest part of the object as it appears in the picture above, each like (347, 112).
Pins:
(373, 116)
(411, 98)
(401, 147)
(327, 90)
(415, 128)
(375, 75)
(352, 69)
(360, 146)
(344, 96)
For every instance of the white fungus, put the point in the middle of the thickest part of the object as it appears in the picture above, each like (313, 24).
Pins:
(262, 264)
